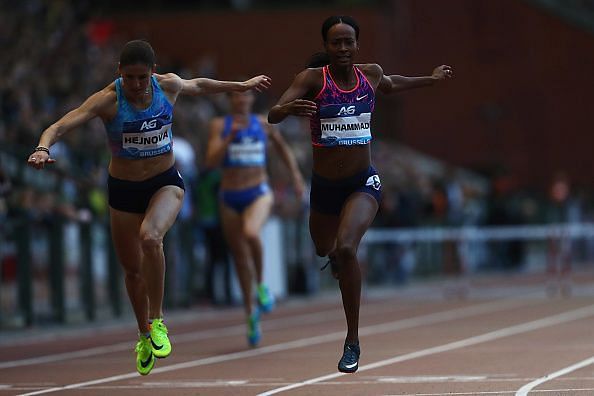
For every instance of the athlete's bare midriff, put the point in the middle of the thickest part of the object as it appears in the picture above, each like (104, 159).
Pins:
(240, 178)
(340, 162)
(140, 169)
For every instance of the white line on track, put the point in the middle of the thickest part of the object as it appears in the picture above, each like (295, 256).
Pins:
(568, 316)
(553, 392)
(177, 385)
(428, 319)
(523, 391)
(227, 331)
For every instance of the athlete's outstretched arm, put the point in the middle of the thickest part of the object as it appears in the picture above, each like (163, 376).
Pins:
(288, 158)
(202, 86)
(91, 108)
(291, 103)
(395, 83)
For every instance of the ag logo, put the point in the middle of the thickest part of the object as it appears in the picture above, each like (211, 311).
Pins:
(148, 125)
(344, 110)
(374, 181)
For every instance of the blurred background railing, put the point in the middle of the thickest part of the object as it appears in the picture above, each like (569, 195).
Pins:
(57, 270)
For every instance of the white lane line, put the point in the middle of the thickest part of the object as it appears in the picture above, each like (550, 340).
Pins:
(423, 379)
(433, 318)
(553, 392)
(175, 385)
(523, 391)
(576, 314)
(229, 331)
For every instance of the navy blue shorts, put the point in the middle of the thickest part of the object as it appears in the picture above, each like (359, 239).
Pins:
(328, 196)
(134, 196)
(239, 200)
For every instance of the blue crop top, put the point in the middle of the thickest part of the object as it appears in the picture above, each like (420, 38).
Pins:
(248, 148)
(137, 133)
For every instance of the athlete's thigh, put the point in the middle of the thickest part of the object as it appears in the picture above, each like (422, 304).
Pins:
(162, 211)
(125, 228)
(232, 224)
(356, 216)
(323, 228)
(256, 214)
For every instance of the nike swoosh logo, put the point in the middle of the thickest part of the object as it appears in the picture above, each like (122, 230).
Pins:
(147, 362)
(362, 97)
(351, 365)
(157, 347)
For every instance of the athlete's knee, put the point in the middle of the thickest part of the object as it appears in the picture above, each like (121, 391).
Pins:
(150, 240)
(251, 234)
(345, 252)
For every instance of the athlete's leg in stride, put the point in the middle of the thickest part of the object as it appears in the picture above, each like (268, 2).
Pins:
(357, 214)
(159, 217)
(241, 253)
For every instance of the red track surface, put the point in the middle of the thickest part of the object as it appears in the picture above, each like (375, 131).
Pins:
(504, 335)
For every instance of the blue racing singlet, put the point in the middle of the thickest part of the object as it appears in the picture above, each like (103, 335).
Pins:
(248, 148)
(145, 133)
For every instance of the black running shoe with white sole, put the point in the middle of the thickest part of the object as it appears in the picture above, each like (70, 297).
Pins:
(349, 362)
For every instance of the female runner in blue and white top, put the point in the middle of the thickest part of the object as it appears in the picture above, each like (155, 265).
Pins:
(145, 190)
(339, 97)
(239, 143)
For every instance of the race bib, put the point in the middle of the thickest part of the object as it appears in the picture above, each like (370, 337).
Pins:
(247, 152)
(153, 139)
(345, 124)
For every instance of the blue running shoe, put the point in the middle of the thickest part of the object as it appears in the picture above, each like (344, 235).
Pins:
(349, 362)
(253, 324)
(265, 298)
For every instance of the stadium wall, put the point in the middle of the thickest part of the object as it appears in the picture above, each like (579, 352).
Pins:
(521, 99)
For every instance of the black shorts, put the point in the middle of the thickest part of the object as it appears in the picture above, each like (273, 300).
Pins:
(328, 196)
(134, 196)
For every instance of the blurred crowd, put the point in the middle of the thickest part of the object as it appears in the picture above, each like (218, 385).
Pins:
(56, 53)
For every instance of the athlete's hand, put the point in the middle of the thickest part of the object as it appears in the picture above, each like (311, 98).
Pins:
(232, 134)
(238, 122)
(259, 83)
(442, 72)
(38, 159)
(300, 108)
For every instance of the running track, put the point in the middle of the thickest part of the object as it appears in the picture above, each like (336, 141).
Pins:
(507, 337)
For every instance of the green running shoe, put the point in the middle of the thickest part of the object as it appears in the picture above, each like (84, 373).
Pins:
(265, 298)
(159, 339)
(145, 360)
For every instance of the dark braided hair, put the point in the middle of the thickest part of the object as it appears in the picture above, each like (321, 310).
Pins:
(336, 19)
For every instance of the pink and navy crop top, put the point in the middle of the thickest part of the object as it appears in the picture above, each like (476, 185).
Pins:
(248, 147)
(343, 117)
(136, 134)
